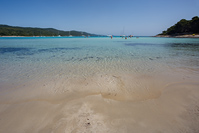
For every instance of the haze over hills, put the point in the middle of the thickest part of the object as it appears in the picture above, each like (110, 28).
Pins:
(6, 30)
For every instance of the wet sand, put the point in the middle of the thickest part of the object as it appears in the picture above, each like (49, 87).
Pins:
(104, 102)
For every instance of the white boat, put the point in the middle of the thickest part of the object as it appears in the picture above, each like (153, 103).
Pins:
(123, 33)
(59, 34)
(123, 36)
(69, 34)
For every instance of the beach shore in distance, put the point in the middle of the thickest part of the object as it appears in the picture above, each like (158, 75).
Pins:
(179, 36)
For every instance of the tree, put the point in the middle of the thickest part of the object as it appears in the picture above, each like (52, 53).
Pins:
(184, 27)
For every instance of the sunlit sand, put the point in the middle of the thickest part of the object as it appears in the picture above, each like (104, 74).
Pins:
(102, 103)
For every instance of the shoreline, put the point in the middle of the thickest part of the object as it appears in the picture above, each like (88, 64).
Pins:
(99, 85)
(178, 36)
(46, 36)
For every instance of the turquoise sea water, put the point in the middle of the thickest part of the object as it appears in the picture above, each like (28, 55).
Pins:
(27, 58)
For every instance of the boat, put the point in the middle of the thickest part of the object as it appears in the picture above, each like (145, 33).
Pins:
(70, 35)
(123, 36)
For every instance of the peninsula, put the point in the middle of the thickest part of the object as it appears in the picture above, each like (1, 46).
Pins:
(6, 30)
(183, 29)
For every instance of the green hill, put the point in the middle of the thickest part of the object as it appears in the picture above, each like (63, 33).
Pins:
(6, 30)
(183, 27)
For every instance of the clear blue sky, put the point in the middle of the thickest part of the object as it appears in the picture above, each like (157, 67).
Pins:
(137, 17)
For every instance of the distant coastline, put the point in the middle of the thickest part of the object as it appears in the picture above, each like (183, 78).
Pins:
(15, 36)
(183, 29)
(16, 31)
(37, 36)
(55, 36)
(179, 36)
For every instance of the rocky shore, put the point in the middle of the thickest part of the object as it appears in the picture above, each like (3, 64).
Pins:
(179, 36)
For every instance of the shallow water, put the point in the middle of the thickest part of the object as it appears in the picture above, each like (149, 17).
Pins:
(143, 55)
(99, 84)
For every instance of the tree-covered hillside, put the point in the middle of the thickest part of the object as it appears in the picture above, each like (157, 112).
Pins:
(184, 27)
(6, 30)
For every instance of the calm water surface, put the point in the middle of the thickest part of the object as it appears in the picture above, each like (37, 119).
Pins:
(24, 57)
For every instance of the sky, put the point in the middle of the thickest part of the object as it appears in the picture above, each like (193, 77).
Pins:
(106, 17)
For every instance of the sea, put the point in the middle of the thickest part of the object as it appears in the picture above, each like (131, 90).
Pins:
(24, 58)
(60, 69)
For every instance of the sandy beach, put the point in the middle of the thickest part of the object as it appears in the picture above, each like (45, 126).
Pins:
(99, 66)
(99, 85)
(102, 103)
